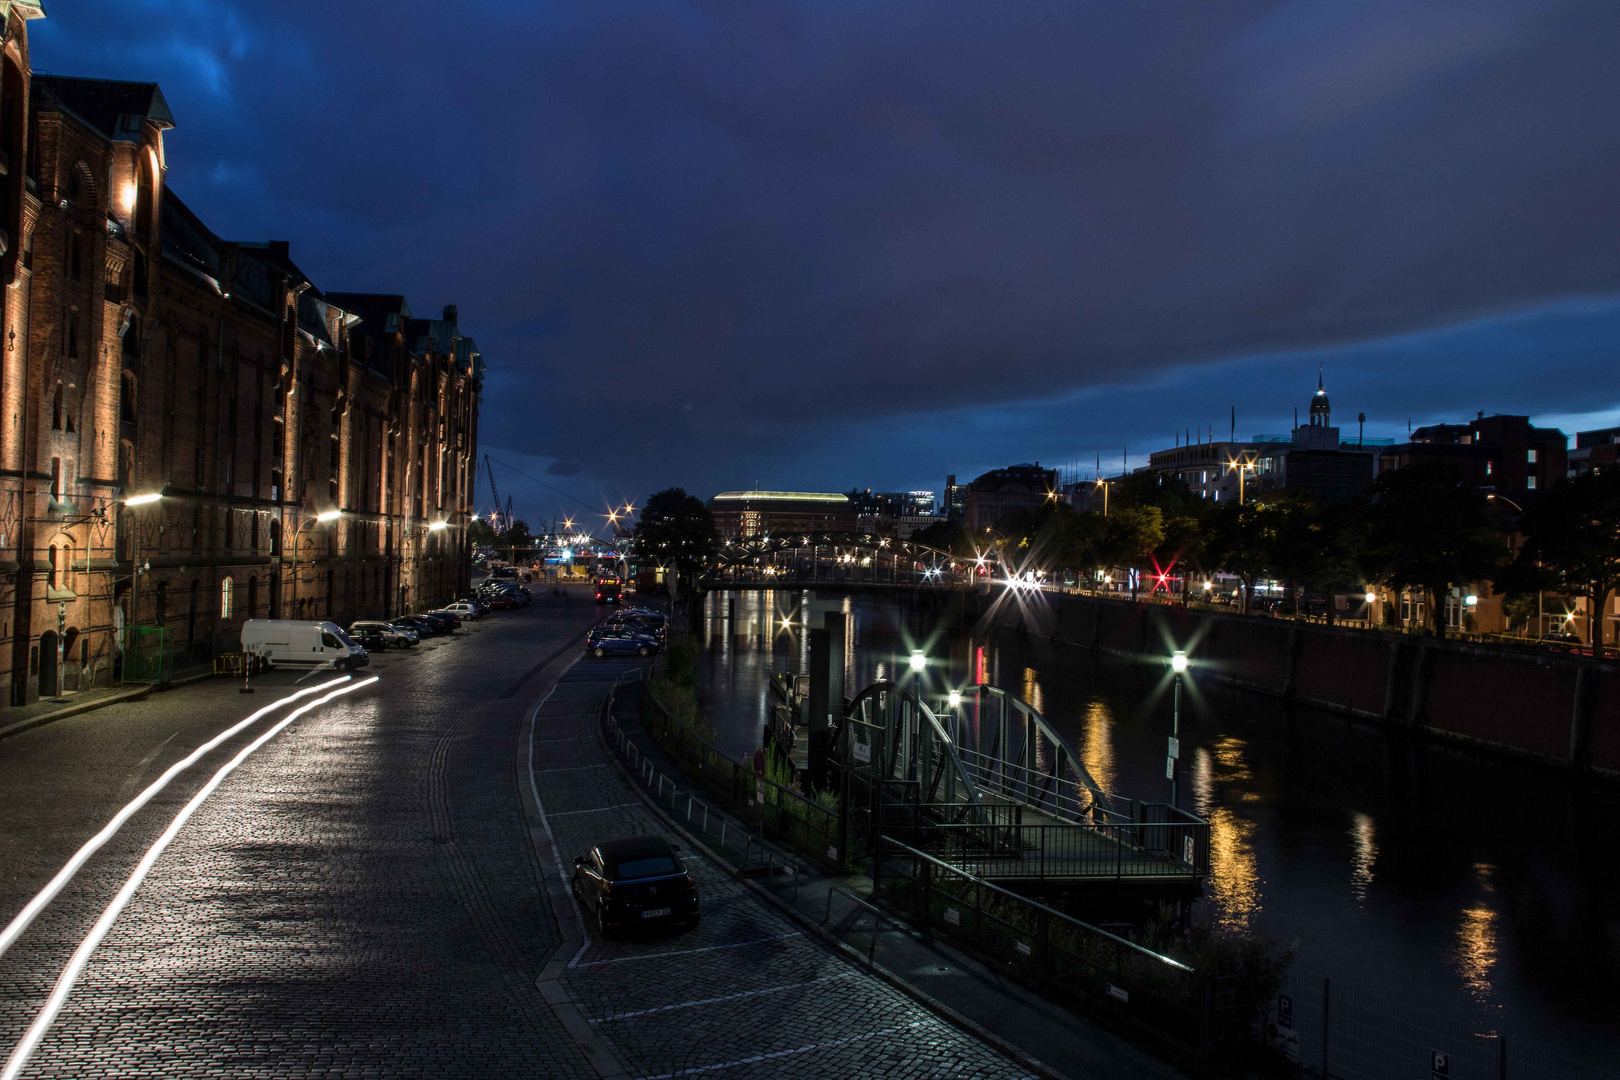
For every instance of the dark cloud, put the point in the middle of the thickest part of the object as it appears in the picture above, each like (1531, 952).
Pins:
(704, 237)
(564, 468)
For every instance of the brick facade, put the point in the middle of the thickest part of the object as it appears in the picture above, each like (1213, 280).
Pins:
(145, 355)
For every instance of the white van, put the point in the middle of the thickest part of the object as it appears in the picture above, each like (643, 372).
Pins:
(291, 643)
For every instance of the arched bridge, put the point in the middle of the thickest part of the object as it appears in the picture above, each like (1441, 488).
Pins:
(841, 558)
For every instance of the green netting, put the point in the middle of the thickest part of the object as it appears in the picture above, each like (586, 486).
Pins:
(148, 656)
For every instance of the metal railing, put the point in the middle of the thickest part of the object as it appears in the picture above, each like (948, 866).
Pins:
(1166, 850)
(1332, 1028)
(1065, 959)
(779, 812)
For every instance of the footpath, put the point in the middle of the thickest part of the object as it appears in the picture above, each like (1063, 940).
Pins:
(1043, 1036)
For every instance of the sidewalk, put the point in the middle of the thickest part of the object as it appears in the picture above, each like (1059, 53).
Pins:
(1061, 1043)
(23, 717)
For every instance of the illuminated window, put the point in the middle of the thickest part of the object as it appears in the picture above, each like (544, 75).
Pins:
(1488, 468)
(225, 599)
(1530, 483)
(1530, 456)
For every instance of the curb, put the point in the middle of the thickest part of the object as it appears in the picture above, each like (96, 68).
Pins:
(922, 997)
(74, 710)
(594, 1048)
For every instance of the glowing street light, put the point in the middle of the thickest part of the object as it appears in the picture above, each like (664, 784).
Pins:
(1241, 467)
(955, 699)
(438, 526)
(328, 515)
(1178, 662)
(142, 500)
(918, 661)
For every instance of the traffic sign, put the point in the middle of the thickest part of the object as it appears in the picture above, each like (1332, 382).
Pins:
(1175, 747)
(1169, 768)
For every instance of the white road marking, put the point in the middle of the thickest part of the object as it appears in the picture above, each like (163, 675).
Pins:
(683, 952)
(727, 997)
(31, 911)
(571, 768)
(545, 823)
(81, 956)
(596, 809)
(914, 1025)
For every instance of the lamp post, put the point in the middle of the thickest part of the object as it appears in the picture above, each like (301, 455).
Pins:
(147, 499)
(1178, 666)
(1241, 467)
(323, 518)
(1104, 485)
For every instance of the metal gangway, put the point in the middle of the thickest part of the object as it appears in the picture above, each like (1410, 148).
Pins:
(980, 780)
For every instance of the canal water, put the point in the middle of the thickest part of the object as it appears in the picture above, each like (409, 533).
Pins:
(1453, 880)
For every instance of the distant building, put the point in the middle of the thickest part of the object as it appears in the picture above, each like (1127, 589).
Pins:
(892, 513)
(1313, 458)
(1505, 454)
(955, 503)
(1595, 451)
(1015, 489)
(742, 514)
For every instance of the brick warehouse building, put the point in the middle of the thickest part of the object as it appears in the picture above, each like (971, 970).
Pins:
(144, 355)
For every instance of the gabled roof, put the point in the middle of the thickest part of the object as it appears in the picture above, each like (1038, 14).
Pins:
(116, 109)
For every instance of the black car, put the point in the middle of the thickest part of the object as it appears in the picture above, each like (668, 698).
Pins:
(638, 881)
(369, 636)
(423, 627)
(439, 622)
(448, 616)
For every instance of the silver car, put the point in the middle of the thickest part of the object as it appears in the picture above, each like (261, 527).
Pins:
(396, 636)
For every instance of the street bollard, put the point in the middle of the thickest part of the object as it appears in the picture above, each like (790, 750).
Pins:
(247, 673)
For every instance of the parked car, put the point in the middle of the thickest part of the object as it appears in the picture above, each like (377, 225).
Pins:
(392, 635)
(635, 882)
(423, 627)
(464, 610)
(619, 641)
(370, 638)
(508, 572)
(294, 643)
(447, 623)
(453, 617)
(638, 623)
(609, 591)
(501, 599)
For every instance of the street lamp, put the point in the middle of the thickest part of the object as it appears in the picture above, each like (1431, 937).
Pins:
(1104, 485)
(1178, 665)
(1241, 467)
(324, 517)
(918, 661)
(147, 499)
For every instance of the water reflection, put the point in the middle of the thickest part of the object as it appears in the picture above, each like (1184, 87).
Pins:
(1300, 804)
(1222, 772)
(1475, 952)
(1096, 747)
(1363, 853)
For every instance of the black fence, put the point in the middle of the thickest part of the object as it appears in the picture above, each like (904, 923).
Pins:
(1069, 961)
(1335, 1029)
(778, 812)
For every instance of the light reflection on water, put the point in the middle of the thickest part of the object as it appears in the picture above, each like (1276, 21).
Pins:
(1389, 861)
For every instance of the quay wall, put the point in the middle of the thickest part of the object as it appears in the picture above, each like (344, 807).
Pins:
(1560, 709)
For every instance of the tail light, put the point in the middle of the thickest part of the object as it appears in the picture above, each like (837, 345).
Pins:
(688, 881)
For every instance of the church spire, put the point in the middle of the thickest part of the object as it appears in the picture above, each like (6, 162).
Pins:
(1320, 412)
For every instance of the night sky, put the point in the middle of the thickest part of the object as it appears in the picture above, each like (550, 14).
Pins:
(827, 245)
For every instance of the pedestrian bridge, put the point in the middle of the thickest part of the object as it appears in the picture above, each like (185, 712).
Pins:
(981, 781)
(844, 559)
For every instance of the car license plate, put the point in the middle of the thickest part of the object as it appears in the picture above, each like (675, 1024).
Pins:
(653, 913)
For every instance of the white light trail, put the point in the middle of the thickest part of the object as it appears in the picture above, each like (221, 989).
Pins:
(81, 956)
(31, 911)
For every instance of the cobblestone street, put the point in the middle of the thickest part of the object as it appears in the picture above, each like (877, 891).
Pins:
(362, 896)
(747, 993)
(359, 897)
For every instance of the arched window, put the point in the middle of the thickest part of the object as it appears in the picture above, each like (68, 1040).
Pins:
(56, 478)
(51, 573)
(225, 598)
(275, 537)
(67, 406)
(76, 257)
(126, 397)
(126, 464)
(253, 597)
(56, 409)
